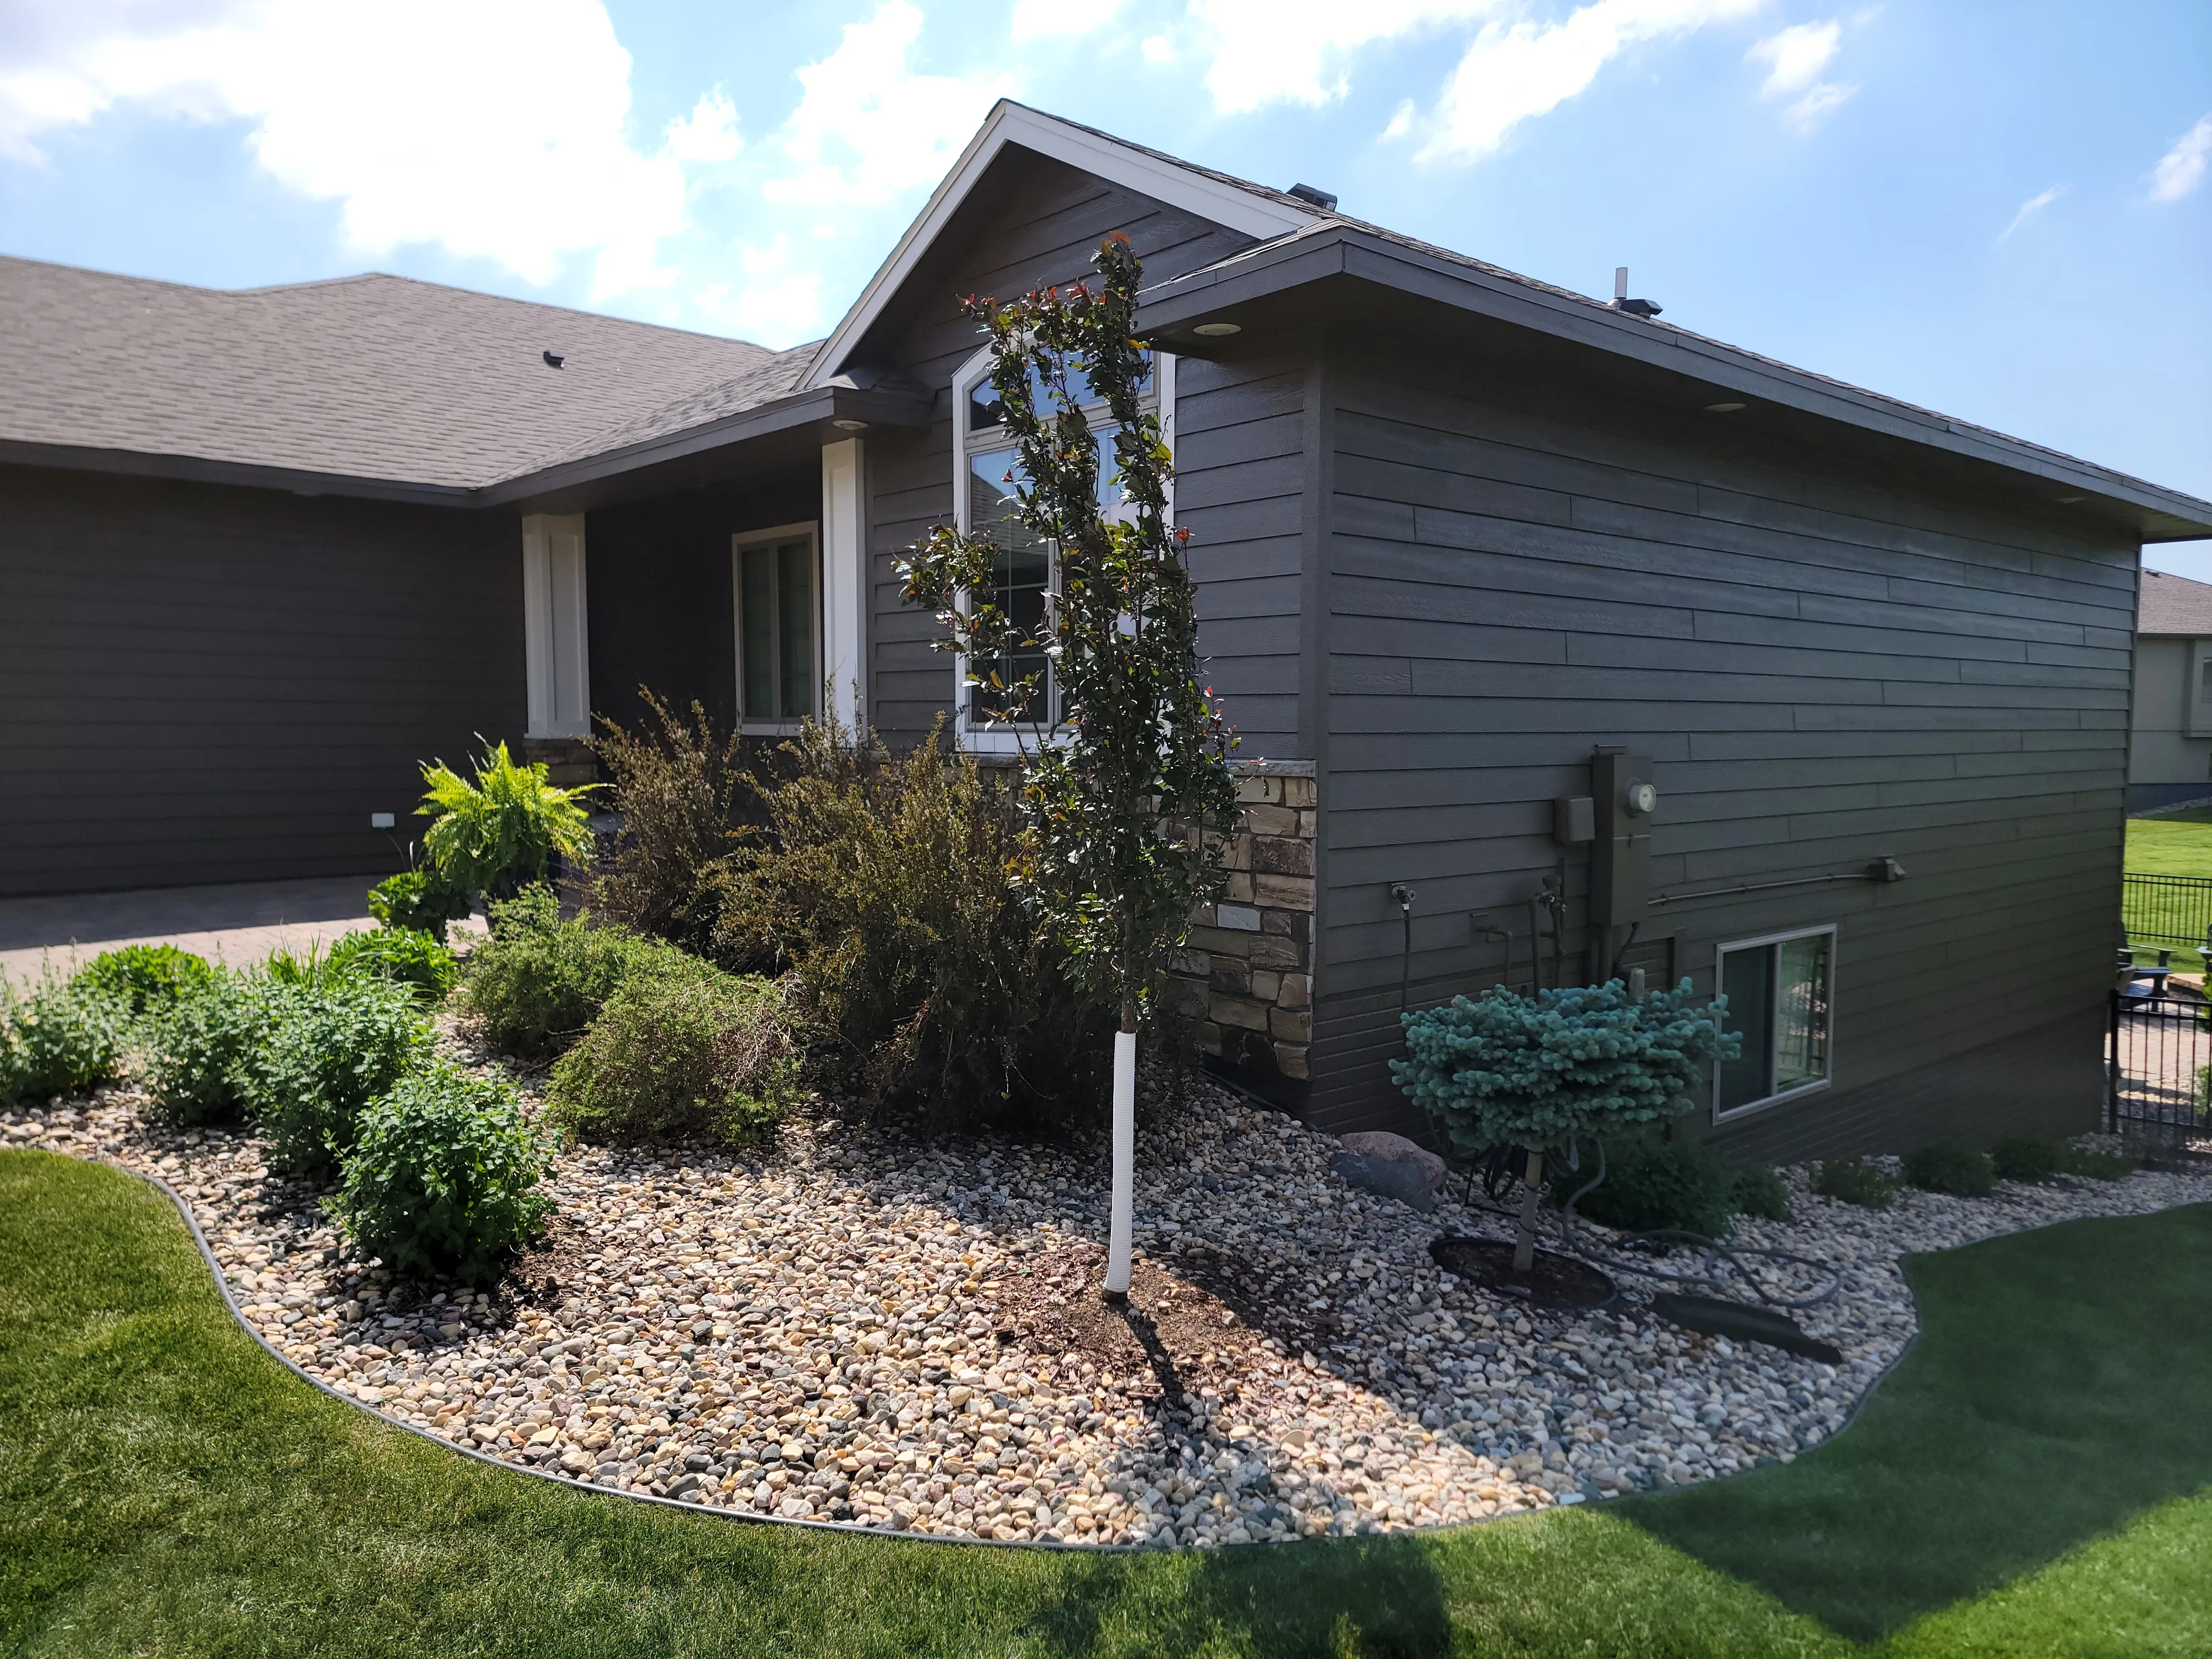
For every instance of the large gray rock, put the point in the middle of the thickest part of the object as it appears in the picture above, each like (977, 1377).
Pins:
(1383, 1147)
(1399, 1178)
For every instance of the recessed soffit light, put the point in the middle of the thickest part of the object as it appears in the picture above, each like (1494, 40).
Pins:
(1218, 330)
(1722, 408)
(849, 425)
(2069, 500)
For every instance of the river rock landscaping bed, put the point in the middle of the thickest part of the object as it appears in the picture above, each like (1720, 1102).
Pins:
(861, 1326)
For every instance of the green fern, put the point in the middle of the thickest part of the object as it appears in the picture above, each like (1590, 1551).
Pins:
(497, 833)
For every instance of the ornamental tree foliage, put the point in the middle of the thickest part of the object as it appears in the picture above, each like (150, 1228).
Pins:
(1542, 1073)
(1123, 804)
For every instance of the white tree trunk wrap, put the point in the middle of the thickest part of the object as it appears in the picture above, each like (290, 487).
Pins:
(1124, 1162)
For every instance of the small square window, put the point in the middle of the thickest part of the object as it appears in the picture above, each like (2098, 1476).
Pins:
(778, 627)
(1780, 992)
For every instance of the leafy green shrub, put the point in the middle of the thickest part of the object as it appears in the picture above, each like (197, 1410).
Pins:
(443, 1177)
(1759, 1189)
(61, 1039)
(1950, 1169)
(890, 887)
(420, 901)
(495, 833)
(677, 792)
(1654, 1182)
(677, 1053)
(195, 1055)
(2026, 1159)
(333, 1048)
(1849, 1182)
(144, 978)
(538, 980)
(405, 956)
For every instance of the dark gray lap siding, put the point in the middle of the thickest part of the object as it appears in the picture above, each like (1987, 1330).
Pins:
(202, 684)
(1826, 668)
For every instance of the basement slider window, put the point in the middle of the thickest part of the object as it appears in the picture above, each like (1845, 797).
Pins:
(987, 473)
(777, 579)
(1781, 992)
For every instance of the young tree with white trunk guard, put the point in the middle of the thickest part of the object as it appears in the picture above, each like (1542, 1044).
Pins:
(1126, 791)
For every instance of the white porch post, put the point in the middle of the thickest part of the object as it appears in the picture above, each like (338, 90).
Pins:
(845, 579)
(556, 639)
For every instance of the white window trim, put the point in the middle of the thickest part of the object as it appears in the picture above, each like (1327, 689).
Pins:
(1768, 1102)
(555, 626)
(1003, 739)
(811, 531)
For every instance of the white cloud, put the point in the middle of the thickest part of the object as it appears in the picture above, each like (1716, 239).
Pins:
(780, 298)
(1037, 19)
(2029, 208)
(497, 129)
(867, 127)
(1266, 52)
(2181, 170)
(1794, 58)
(1515, 72)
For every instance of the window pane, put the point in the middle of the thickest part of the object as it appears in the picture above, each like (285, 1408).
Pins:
(1800, 1020)
(985, 411)
(1747, 981)
(756, 612)
(1024, 570)
(795, 577)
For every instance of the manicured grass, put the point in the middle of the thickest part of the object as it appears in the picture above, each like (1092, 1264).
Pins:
(2173, 844)
(2033, 1480)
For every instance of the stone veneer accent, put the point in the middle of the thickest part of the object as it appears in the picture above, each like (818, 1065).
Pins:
(1244, 978)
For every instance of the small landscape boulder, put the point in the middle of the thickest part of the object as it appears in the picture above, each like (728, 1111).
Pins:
(1377, 1161)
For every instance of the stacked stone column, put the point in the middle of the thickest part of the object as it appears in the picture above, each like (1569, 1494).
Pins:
(1244, 980)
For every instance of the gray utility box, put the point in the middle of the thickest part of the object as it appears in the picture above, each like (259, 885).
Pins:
(1621, 856)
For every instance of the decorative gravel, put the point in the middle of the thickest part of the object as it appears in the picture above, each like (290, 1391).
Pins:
(862, 1327)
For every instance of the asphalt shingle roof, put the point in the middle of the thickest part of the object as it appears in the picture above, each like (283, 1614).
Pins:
(2173, 604)
(369, 377)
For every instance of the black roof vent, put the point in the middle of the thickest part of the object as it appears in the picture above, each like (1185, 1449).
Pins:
(1622, 302)
(555, 359)
(1320, 198)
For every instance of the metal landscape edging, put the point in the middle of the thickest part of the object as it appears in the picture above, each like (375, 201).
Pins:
(854, 1530)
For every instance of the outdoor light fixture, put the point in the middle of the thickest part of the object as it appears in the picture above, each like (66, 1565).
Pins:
(850, 425)
(1218, 330)
(1722, 408)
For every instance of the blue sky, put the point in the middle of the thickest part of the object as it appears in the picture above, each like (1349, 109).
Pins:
(2001, 211)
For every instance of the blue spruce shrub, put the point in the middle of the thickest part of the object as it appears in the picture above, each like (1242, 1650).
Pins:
(1563, 1065)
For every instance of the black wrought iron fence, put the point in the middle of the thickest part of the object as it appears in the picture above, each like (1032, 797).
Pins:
(2159, 1065)
(2167, 909)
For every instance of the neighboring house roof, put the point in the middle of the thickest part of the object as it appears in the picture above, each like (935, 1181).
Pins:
(370, 377)
(2173, 604)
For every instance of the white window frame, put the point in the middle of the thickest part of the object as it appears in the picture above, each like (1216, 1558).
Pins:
(1721, 953)
(555, 626)
(988, 740)
(810, 532)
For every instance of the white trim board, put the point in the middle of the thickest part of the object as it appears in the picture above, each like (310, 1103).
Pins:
(1163, 181)
(556, 631)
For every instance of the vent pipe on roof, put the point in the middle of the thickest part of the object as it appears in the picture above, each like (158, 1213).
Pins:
(1622, 302)
(1320, 198)
(555, 359)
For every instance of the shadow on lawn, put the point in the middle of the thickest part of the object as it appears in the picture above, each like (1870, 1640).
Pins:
(2056, 1391)
(1370, 1596)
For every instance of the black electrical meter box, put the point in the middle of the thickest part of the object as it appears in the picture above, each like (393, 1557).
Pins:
(1620, 857)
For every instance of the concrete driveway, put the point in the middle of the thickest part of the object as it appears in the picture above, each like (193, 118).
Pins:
(236, 924)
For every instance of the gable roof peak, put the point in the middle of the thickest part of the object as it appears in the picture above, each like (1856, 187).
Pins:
(1237, 203)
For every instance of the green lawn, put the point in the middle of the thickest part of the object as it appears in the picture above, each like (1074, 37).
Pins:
(2036, 1478)
(2175, 844)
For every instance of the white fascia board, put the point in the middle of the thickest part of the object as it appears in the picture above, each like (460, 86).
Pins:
(1010, 123)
